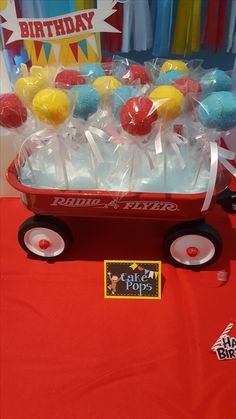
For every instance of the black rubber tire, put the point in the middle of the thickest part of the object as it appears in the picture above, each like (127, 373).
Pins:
(51, 223)
(196, 228)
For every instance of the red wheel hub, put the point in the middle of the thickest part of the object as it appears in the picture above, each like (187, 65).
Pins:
(192, 251)
(44, 244)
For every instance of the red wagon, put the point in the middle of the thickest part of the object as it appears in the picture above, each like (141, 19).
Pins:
(190, 243)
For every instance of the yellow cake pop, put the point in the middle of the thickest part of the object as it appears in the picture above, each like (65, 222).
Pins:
(168, 101)
(106, 85)
(174, 65)
(51, 106)
(27, 87)
(37, 71)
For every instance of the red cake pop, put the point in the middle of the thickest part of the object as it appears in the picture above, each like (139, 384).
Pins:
(137, 116)
(137, 72)
(187, 85)
(68, 78)
(12, 111)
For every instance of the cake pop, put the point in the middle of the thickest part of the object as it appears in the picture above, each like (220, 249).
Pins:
(92, 70)
(168, 77)
(168, 101)
(68, 78)
(51, 106)
(187, 85)
(137, 116)
(215, 81)
(106, 85)
(120, 96)
(12, 111)
(137, 72)
(27, 87)
(174, 65)
(218, 111)
(87, 101)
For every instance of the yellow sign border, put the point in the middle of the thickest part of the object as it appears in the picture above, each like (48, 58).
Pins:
(128, 297)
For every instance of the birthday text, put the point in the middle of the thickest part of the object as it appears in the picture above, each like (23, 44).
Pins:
(227, 349)
(67, 25)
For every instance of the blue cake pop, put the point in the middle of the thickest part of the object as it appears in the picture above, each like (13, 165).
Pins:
(120, 96)
(87, 101)
(168, 77)
(215, 81)
(92, 70)
(218, 111)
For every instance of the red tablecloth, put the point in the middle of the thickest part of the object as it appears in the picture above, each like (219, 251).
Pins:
(68, 353)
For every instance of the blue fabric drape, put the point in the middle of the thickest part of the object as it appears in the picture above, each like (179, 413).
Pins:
(137, 26)
(163, 17)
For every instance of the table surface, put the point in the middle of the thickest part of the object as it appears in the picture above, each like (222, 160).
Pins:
(68, 353)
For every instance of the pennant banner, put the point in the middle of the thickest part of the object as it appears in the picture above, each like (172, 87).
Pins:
(65, 26)
(91, 40)
(56, 51)
(38, 46)
(74, 49)
(47, 49)
(133, 266)
(29, 45)
(83, 46)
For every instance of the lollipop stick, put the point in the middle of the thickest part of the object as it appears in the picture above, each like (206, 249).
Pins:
(186, 135)
(131, 170)
(94, 168)
(165, 166)
(199, 166)
(31, 168)
(61, 172)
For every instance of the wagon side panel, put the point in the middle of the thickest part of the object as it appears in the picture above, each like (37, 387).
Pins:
(87, 204)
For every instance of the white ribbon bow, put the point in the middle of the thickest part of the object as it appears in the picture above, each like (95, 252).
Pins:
(174, 139)
(117, 138)
(217, 154)
(88, 130)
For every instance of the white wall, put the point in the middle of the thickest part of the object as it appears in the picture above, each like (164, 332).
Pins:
(7, 151)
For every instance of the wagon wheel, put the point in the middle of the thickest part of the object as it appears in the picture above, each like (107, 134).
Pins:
(45, 237)
(192, 245)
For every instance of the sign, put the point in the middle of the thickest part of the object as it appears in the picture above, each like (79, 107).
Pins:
(66, 39)
(225, 346)
(132, 279)
(65, 26)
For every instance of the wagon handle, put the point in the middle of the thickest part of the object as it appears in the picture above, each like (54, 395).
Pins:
(227, 200)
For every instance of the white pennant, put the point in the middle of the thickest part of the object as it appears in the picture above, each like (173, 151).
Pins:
(93, 43)
(56, 51)
(231, 25)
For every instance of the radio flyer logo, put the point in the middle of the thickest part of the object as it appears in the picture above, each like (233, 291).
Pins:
(132, 279)
(225, 346)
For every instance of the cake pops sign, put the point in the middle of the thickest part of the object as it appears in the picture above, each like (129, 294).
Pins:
(65, 26)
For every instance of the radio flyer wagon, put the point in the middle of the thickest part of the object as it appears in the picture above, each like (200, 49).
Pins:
(190, 243)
